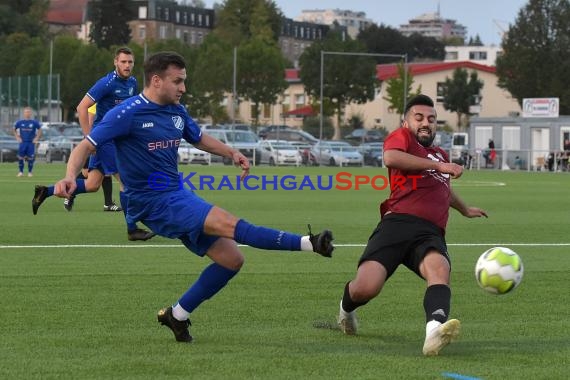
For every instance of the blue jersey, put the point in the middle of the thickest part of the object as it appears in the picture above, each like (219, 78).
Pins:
(147, 136)
(27, 129)
(110, 91)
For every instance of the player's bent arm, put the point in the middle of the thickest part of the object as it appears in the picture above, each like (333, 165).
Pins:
(83, 114)
(470, 212)
(215, 146)
(397, 159)
(78, 157)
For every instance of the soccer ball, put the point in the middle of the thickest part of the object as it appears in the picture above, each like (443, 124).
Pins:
(499, 270)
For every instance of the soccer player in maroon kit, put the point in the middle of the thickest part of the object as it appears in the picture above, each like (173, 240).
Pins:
(412, 227)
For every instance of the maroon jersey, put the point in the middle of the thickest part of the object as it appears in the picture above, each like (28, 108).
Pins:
(425, 194)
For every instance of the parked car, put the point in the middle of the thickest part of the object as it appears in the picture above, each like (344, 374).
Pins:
(279, 152)
(362, 135)
(337, 153)
(263, 131)
(372, 153)
(304, 149)
(189, 154)
(75, 134)
(8, 147)
(291, 135)
(53, 145)
(246, 142)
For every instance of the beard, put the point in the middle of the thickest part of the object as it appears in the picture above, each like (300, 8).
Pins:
(425, 141)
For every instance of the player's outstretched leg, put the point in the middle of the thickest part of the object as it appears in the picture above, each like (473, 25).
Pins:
(440, 336)
(179, 328)
(40, 195)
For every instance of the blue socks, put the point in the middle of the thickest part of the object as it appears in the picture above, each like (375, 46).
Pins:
(210, 282)
(266, 238)
(21, 166)
(79, 190)
(30, 165)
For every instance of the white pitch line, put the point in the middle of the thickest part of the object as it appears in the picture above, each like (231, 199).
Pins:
(241, 245)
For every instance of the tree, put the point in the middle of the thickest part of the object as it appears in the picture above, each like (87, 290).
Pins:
(261, 73)
(384, 40)
(425, 48)
(395, 89)
(236, 17)
(459, 94)
(110, 22)
(23, 16)
(210, 78)
(347, 78)
(536, 53)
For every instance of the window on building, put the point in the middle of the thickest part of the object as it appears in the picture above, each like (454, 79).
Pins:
(185, 37)
(200, 20)
(162, 32)
(178, 33)
(143, 13)
(451, 56)
(252, 111)
(185, 18)
(192, 18)
(286, 104)
(299, 100)
(267, 111)
(178, 17)
(478, 55)
(167, 14)
(193, 38)
(207, 19)
(440, 91)
(511, 138)
(142, 32)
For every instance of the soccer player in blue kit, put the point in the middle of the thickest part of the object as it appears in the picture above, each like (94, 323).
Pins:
(109, 91)
(147, 130)
(27, 132)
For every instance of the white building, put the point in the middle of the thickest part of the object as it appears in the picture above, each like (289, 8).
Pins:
(353, 21)
(433, 25)
(484, 55)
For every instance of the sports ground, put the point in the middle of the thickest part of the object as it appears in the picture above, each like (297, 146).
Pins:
(78, 301)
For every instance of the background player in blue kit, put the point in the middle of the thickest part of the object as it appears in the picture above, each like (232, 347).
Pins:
(27, 131)
(147, 130)
(107, 92)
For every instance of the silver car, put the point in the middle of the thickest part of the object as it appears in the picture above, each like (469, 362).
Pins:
(336, 153)
(279, 152)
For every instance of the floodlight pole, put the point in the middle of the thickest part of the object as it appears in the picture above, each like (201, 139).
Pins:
(323, 53)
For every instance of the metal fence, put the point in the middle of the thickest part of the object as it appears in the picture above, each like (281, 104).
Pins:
(41, 92)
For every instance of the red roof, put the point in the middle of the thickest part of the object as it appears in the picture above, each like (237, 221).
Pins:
(384, 72)
(292, 75)
(388, 71)
(302, 111)
(66, 12)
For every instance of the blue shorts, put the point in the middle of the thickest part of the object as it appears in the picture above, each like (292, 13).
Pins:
(104, 159)
(27, 149)
(180, 214)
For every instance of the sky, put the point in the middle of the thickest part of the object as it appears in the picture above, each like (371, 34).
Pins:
(479, 16)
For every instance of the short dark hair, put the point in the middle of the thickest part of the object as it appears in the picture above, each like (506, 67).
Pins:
(418, 100)
(159, 62)
(123, 49)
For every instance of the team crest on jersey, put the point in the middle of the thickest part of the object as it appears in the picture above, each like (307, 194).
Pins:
(178, 122)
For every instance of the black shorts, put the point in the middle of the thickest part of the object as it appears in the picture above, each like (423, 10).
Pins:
(403, 239)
